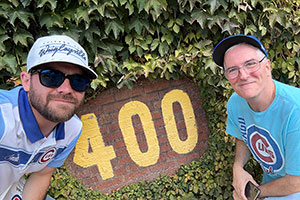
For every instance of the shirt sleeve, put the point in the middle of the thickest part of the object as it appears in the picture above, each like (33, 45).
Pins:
(2, 124)
(232, 128)
(59, 160)
(292, 145)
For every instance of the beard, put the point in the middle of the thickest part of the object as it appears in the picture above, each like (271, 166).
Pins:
(50, 112)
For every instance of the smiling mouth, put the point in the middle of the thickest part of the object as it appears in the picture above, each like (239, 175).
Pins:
(64, 101)
(246, 84)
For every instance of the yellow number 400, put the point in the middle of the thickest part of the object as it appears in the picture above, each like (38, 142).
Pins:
(101, 155)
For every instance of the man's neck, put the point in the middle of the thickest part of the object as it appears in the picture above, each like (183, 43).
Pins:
(263, 101)
(45, 125)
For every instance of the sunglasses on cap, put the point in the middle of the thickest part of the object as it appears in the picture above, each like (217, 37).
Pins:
(53, 79)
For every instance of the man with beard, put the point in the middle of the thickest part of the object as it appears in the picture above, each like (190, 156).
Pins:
(38, 127)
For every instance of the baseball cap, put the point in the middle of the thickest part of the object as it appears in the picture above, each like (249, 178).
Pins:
(221, 47)
(58, 48)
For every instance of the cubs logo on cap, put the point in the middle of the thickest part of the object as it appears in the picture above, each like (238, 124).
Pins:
(58, 48)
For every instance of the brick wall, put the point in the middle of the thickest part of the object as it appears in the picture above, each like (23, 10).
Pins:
(138, 134)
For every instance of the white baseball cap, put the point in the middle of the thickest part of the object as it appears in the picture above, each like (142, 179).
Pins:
(58, 48)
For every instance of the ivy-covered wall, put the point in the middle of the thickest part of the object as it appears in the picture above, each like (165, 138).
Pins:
(129, 39)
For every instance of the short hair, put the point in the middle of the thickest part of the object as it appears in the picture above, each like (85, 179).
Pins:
(258, 51)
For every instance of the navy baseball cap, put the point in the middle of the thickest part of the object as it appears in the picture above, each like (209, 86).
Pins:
(221, 48)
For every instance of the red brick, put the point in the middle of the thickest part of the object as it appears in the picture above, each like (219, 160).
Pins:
(132, 167)
(111, 137)
(157, 105)
(159, 123)
(156, 86)
(187, 158)
(120, 171)
(162, 166)
(127, 93)
(105, 99)
(160, 131)
(147, 98)
(109, 108)
(125, 161)
(165, 147)
(121, 152)
(172, 154)
(119, 144)
(136, 174)
(106, 107)
(156, 115)
(109, 183)
(103, 118)
(163, 139)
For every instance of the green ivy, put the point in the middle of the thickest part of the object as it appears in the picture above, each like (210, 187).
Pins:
(129, 39)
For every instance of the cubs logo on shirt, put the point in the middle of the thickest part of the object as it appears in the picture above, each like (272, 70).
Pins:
(265, 149)
(47, 156)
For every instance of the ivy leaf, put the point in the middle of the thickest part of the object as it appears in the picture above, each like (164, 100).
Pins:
(130, 8)
(21, 37)
(25, 3)
(215, 4)
(216, 20)
(154, 44)
(22, 15)
(250, 29)
(41, 3)
(139, 51)
(128, 39)
(229, 27)
(82, 14)
(122, 2)
(200, 17)
(10, 61)
(158, 6)
(137, 25)
(102, 8)
(14, 2)
(163, 48)
(3, 13)
(140, 5)
(2, 39)
(51, 19)
(116, 26)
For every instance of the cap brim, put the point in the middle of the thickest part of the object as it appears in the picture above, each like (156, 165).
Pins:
(221, 48)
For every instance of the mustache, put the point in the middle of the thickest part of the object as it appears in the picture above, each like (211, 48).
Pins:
(63, 97)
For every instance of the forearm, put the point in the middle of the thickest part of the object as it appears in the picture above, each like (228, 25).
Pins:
(37, 185)
(241, 176)
(284, 186)
(242, 154)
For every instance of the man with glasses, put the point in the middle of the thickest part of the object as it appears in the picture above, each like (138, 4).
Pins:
(38, 125)
(264, 116)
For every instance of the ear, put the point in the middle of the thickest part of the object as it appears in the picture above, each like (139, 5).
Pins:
(268, 67)
(25, 78)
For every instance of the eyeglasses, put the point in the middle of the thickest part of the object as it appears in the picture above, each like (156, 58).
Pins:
(53, 79)
(249, 67)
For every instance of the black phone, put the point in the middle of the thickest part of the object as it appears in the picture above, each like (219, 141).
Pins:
(251, 191)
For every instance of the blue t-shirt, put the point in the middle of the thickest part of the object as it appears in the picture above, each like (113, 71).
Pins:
(273, 136)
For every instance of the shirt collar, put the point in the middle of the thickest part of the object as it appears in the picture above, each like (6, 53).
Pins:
(30, 125)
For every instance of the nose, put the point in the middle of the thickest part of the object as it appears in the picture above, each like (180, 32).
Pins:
(243, 74)
(65, 87)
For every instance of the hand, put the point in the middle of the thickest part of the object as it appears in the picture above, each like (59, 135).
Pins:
(240, 179)
(236, 196)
